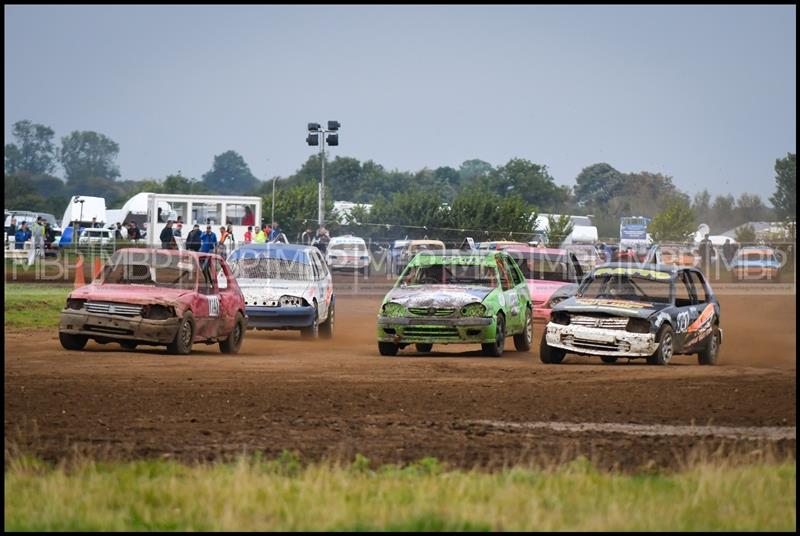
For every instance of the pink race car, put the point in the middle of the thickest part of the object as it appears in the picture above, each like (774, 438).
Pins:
(553, 275)
(157, 297)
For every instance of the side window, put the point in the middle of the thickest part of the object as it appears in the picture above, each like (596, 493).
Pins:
(323, 266)
(222, 279)
(683, 291)
(512, 269)
(206, 285)
(314, 266)
(505, 283)
(700, 287)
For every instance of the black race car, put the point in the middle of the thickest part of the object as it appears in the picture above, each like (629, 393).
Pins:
(649, 311)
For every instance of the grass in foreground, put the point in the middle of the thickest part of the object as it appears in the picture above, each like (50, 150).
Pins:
(284, 495)
(33, 306)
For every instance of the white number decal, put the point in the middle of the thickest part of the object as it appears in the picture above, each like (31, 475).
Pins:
(213, 305)
(683, 321)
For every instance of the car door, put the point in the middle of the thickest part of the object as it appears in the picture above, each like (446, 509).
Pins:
(520, 288)
(207, 312)
(512, 308)
(229, 301)
(686, 309)
(702, 324)
(320, 271)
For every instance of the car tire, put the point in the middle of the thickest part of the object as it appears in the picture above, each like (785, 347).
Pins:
(608, 358)
(550, 355)
(524, 340)
(709, 354)
(184, 337)
(424, 346)
(72, 341)
(232, 344)
(326, 329)
(128, 345)
(495, 349)
(666, 347)
(311, 332)
(388, 348)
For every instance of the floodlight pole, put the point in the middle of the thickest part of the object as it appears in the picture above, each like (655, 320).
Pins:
(322, 180)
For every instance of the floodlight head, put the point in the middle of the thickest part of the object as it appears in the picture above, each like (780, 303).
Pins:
(333, 139)
(313, 139)
(334, 125)
(313, 127)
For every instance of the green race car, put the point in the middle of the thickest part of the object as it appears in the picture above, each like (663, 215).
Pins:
(455, 298)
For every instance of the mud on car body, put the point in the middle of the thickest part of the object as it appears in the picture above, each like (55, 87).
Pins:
(157, 297)
(285, 286)
(458, 297)
(650, 311)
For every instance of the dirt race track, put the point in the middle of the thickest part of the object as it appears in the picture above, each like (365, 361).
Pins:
(333, 399)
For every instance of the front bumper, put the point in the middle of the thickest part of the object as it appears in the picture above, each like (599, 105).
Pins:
(599, 341)
(436, 330)
(280, 317)
(341, 264)
(118, 327)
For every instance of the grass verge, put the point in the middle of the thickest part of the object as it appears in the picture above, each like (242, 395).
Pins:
(33, 306)
(283, 494)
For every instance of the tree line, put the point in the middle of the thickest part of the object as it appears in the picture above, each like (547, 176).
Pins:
(474, 196)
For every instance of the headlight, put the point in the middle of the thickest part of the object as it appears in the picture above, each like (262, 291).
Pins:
(638, 325)
(73, 303)
(394, 309)
(473, 309)
(157, 312)
(560, 317)
(555, 300)
(332, 257)
(291, 301)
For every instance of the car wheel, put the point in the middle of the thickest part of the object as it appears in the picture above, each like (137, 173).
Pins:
(72, 342)
(709, 354)
(663, 354)
(312, 331)
(387, 348)
(495, 349)
(524, 340)
(232, 344)
(182, 344)
(550, 355)
(424, 346)
(608, 358)
(128, 345)
(326, 329)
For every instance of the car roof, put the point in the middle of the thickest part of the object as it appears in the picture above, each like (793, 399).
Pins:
(531, 249)
(296, 252)
(416, 242)
(346, 239)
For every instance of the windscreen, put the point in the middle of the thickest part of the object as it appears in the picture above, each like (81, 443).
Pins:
(416, 248)
(150, 268)
(270, 268)
(622, 286)
(450, 274)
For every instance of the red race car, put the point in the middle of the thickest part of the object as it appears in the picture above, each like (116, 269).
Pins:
(157, 297)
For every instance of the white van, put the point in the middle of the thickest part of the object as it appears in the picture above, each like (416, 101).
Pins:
(96, 236)
(348, 253)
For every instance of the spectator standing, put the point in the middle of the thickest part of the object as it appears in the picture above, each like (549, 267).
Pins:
(178, 229)
(21, 236)
(168, 237)
(274, 232)
(94, 224)
(193, 239)
(705, 253)
(134, 233)
(248, 234)
(322, 240)
(261, 236)
(249, 218)
(224, 241)
(11, 230)
(728, 251)
(118, 231)
(37, 247)
(307, 238)
(208, 241)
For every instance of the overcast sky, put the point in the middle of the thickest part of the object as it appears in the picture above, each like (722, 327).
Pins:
(706, 94)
